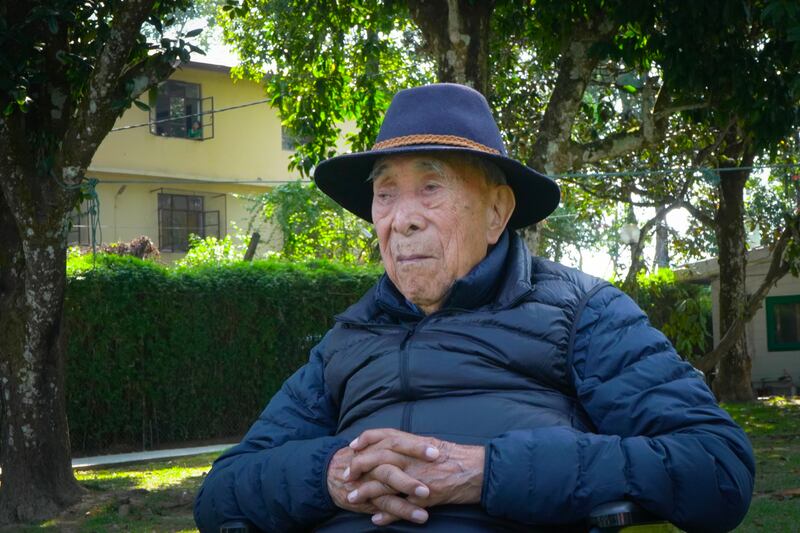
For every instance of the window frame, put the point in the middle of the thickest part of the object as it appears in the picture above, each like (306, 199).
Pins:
(202, 227)
(170, 126)
(773, 345)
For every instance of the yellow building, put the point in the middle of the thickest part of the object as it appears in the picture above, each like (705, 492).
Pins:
(179, 169)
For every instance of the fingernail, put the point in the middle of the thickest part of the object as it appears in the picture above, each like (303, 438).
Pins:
(376, 518)
(422, 492)
(354, 442)
(346, 473)
(352, 496)
(432, 453)
(419, 515)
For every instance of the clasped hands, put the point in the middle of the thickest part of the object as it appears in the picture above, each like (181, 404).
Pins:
(394, 475)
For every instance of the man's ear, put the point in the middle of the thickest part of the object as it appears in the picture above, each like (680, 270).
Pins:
(501, 205)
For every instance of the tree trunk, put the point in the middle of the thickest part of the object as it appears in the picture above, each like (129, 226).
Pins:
(457, 36)
(44, 153)
(37, 478)
(732, 382)
(661, 259)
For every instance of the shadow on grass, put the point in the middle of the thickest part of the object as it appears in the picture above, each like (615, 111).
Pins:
(155, 496)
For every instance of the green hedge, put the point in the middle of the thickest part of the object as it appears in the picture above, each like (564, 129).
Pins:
(158, 355)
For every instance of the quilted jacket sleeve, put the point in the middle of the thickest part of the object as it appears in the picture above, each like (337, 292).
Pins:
(275, 477)
(661, 441)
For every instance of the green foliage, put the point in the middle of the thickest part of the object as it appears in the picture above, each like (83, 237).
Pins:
(30, 56)
(158, 355)
(681, 310)
(571, 232)
(315, 227)
(323, 63)
(186, 15)
(214, 251)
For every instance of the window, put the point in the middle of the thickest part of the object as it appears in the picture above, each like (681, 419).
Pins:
(783, 323)
(180, 215)
(79, 226)
(182, 102)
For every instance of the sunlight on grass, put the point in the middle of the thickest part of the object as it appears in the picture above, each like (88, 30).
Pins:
(148, 476)
(149, 480)
(773, 416)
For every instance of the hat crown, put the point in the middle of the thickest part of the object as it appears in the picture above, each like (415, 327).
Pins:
(441, 109)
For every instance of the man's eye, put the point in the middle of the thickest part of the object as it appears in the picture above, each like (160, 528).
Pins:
(429, 187)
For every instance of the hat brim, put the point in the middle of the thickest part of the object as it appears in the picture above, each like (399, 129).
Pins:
(345, 179)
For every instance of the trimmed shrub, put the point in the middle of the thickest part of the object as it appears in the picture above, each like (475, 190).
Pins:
(158, 355)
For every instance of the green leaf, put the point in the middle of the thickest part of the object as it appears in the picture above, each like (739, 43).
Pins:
(141, 105)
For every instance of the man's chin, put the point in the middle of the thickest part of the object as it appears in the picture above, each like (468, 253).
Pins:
(423, 299)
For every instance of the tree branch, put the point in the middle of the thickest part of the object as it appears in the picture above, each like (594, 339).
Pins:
(636, 252)
(653, 128)
(777, 269)
(667, 111)
(91, 121)
(697, 213)
(551, 151)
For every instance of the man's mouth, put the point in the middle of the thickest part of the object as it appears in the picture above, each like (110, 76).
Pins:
(411, 258)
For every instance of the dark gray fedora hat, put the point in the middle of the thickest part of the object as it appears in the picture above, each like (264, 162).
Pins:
(443, 117)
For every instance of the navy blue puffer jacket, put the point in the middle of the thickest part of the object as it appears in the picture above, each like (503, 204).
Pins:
(577, 399)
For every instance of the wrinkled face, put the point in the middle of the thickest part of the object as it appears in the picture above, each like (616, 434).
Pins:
(435, 221)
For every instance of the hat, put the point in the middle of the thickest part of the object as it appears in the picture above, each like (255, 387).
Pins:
(442, 117)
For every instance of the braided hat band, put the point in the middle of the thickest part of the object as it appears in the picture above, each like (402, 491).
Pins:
(449, 140)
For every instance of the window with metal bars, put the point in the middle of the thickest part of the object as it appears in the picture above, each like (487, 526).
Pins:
(178, 111)
(180, 215)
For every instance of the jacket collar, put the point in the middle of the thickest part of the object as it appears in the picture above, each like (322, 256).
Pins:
(499, 280)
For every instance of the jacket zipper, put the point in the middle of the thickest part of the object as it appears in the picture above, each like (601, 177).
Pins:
(405, 387)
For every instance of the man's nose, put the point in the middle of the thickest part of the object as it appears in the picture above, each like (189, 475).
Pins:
(408, 216)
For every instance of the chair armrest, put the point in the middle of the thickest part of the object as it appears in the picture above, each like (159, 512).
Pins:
(613, 516)
(236, 526)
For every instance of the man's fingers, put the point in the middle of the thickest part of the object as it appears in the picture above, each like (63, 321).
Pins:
(399, 441)
(400, 508)
(388, 479)
(383, 519)
(367, 460)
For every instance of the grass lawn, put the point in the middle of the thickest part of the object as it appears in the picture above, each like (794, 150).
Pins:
(774, 430)
(158, 496)
(145, 497)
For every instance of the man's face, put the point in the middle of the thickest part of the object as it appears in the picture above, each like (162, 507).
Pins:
(435, 221)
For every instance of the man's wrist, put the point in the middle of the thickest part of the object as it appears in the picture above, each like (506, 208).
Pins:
(334, 478)
(469, 461)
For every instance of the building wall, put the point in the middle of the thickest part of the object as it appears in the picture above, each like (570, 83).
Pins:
(766, 364)
(771, 364)
(244, 157)
(129, 208)
(246, 145)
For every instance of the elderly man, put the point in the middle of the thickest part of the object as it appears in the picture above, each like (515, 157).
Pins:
(476, 388)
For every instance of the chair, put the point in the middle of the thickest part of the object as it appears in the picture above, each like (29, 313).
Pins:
(626, 517)
(612, 517)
